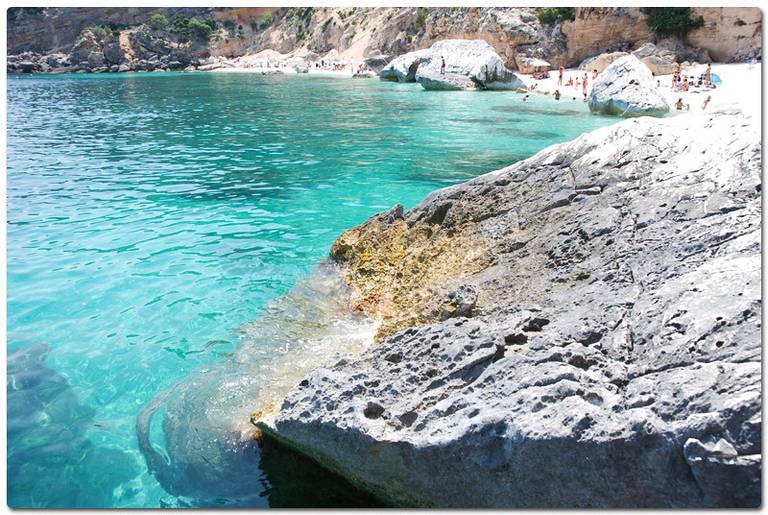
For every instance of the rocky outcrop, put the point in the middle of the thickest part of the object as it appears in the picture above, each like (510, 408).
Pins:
(627, 88)
(531, 64)
(381, 33)
(596, 30)
(403, 68)
(56, 29)
(729, 34)
(659, 60)
(581, 329)
(469, 64)
(601, 62)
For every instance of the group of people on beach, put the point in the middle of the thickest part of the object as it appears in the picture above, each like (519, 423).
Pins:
(680, 82)
(580, 82)
(683, 84)
(335, 66)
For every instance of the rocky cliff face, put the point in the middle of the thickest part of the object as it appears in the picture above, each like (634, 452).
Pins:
(729, 33)
(596, 30)
(55, 29)
(581, 329)
(379, 34)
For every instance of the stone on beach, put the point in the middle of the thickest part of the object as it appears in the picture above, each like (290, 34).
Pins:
(612, 357)
(627, 88)
(530, 65)
(403, 68)
(601, 62)
(469, 64)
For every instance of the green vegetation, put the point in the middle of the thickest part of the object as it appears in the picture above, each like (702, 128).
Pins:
(671, 21)
(268, 19)
(265, 21)
(158, 22)
(299, 15)
(739, 22)
(550, 15)
(15, 12)
(101, 32)
(419, 22)
(192, 28)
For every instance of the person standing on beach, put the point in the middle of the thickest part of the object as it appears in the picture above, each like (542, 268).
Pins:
(560, 77)
(442, 65)
(584, 85)
(708, 74)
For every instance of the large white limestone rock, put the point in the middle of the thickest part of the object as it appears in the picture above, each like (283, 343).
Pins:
(627, 88)
(469, 64)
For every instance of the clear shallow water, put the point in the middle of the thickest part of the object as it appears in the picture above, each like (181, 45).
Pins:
(152, 217)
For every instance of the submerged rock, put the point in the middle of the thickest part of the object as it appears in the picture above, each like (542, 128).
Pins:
(627, 88)
(469, 64)
(611, 357)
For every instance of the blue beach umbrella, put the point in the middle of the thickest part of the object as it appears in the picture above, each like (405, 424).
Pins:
(715, 79)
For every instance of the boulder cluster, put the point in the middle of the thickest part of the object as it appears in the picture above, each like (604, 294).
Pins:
(98, 51)
(453, 64)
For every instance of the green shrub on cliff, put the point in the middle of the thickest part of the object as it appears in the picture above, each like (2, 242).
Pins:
(420, 21)
(299, 15)
(550, 15)
(14, 13)
(671, 21)
(267, 19)
(158, 22)
(101, 32)
(192, 28)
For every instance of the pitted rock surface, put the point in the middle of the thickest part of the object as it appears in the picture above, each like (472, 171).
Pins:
(612, 354)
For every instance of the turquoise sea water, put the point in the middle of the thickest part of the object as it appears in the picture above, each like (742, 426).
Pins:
(152, 217)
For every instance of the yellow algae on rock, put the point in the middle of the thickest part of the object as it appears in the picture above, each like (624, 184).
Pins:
(401, 273)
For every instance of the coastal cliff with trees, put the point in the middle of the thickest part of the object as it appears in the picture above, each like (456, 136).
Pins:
(60, 39)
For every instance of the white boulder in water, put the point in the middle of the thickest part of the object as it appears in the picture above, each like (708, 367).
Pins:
(403, 68)
(627, 88)
(469, 64)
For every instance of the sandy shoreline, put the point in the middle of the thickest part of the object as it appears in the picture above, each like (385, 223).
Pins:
(740, 88)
